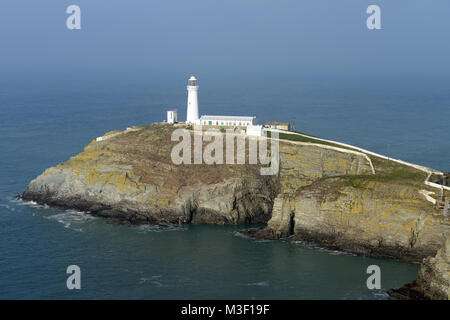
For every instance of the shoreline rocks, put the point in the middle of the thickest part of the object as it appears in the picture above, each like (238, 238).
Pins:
(433, 281)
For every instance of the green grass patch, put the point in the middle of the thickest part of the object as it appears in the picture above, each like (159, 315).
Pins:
(389, 170)
(386, 171)
(299, 138)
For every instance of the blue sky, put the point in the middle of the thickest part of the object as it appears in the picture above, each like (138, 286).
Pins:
(308, 37)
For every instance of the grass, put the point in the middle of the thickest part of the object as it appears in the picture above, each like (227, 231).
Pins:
(311, 139)
(389, 171)
(385, 171)
(298, 138)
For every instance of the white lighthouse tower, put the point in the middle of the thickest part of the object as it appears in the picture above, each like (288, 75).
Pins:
(192, 103)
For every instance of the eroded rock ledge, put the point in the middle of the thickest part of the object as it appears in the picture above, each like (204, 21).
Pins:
(377, 219)
(433, 282)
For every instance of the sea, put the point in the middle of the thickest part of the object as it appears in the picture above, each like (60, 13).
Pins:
(47, 117)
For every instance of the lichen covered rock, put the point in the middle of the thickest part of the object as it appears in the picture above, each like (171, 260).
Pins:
(433, 282)
(130, 177)
(349, 208)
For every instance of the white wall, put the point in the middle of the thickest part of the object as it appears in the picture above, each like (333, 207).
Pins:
(255, 131)
(172, 116)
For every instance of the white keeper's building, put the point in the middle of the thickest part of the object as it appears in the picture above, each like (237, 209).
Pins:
(235, 121)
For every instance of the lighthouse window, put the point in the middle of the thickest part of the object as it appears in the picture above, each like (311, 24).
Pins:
(192, 82)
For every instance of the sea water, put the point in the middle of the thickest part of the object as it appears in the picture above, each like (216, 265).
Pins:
(47, 118)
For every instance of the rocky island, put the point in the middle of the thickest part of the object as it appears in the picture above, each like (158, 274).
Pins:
(324, 192)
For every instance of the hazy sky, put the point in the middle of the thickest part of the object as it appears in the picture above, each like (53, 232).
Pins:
(309, 37)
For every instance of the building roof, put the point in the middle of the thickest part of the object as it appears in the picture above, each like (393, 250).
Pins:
(277, 123)
(227, 118)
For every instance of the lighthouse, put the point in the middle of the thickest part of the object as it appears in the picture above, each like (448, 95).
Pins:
(192, 103)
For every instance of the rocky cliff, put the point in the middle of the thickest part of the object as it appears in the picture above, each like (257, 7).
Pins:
(433, 282)
(377, 219)
(129, 177)
(325, 193)
(373, 207)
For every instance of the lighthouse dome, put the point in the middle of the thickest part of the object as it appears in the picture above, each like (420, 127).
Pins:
(192, 81)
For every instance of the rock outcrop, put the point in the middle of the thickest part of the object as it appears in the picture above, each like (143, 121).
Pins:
(377, 219)
(433, 282)
(129, 177)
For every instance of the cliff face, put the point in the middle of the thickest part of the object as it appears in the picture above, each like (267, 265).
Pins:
(129, 176)
(340, 202)
(377, 219)
(433, 281)
(323, 193)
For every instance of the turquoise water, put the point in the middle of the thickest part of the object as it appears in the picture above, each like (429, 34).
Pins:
(47, 118)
